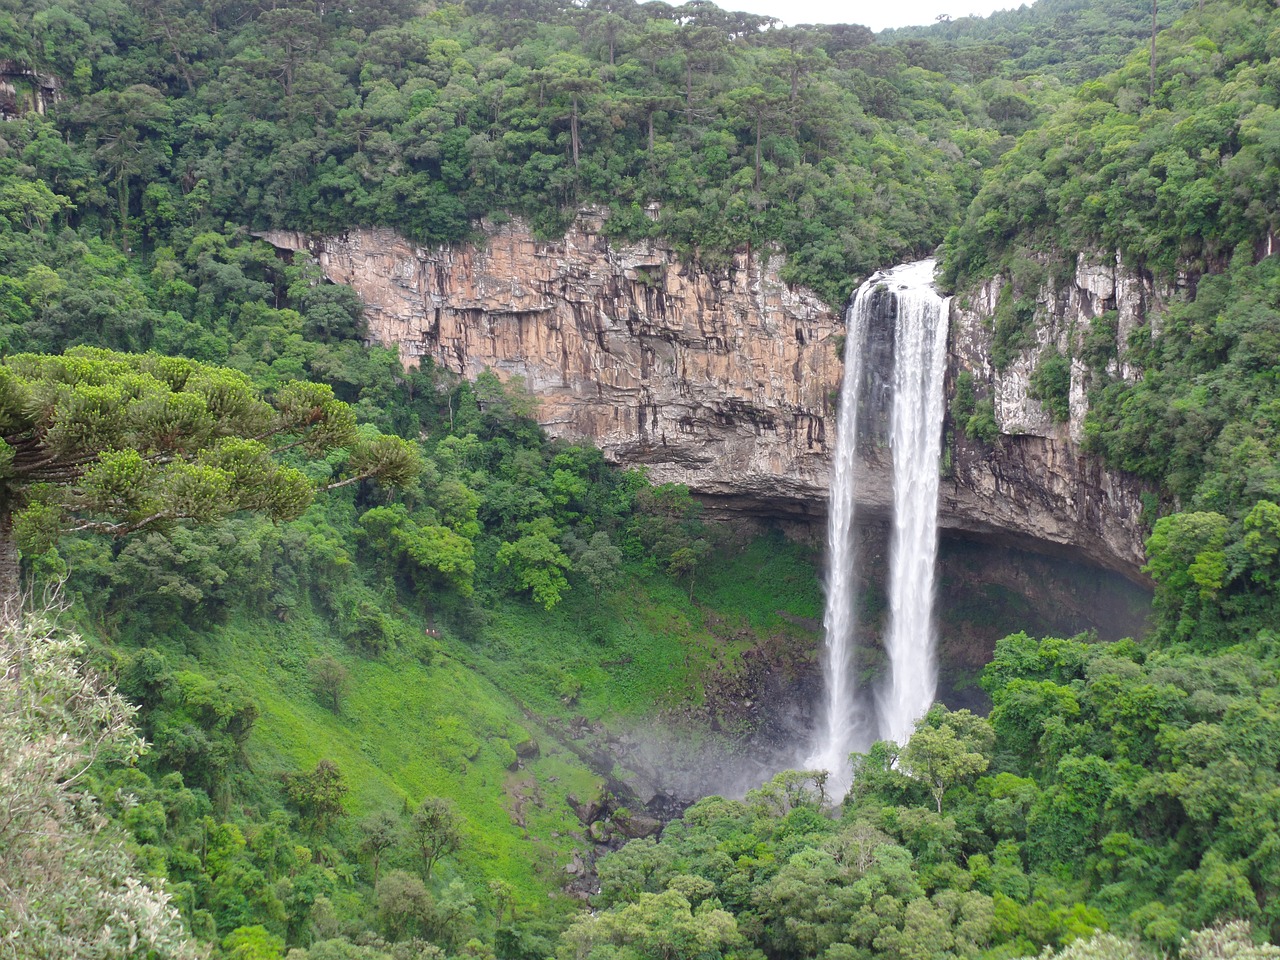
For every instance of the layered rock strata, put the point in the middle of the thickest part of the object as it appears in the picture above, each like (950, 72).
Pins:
(718, 379)
(1035, 477)
(725, 379)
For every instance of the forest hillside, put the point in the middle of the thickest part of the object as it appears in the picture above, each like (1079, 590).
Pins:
(336, 658)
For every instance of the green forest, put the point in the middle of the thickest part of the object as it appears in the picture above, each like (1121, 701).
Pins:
(320, 651)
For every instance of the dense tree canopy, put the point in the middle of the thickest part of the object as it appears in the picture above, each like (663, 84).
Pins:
(168, 377)
(713, 129)
(115, 443)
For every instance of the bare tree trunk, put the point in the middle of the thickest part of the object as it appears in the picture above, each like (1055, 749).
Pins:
(574, 130)
(758, 121)
(122, 195)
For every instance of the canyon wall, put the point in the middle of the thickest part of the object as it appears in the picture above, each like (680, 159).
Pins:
(722, 380)
(725, 379)
(1035, 477)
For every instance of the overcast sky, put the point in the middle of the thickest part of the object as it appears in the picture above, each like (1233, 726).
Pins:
(876, 14)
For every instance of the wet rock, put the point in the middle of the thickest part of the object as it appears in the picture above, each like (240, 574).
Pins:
(633, 826)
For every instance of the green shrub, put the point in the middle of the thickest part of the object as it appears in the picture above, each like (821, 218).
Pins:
(1051, 384)
(982, 425)
(1014, 327)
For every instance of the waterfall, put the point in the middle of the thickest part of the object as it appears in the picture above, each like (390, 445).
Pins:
(920, 359)
(851, 721)
(845, 728)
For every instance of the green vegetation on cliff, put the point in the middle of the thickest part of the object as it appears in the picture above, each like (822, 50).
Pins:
(846, 153)
(1175, 176)
(367, 724)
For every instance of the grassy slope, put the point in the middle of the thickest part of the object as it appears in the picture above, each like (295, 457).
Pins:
(445, 722)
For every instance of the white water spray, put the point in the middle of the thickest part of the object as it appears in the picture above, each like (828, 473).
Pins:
(844, 729)
(920, 336)
(920, 350)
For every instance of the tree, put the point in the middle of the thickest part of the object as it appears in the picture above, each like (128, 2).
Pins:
(381, 831)
(252, 943)
(757, 101)
(113, 443)
(1186, 558)
(667, 522)
(406, 545)
(597, 561)
(538, 561)
(130, 127)
(405, 905)
(454, 914)
(435, 830)
(658, 926)
(68, 887)
(1151, 91)
(939, 757)
(685, 560)
(318, 795)
(329, 681)
(31, 205)
(1232, 939)
(291, 35)
(574, 77)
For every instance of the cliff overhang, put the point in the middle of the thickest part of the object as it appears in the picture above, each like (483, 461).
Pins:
(726, 379)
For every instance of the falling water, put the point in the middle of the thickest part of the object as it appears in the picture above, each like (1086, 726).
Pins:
(920, 351)
(920, 354)
(843, 724)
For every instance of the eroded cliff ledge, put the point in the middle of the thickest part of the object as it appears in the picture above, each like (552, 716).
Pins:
(724, 380)
(719, 380)
(1035, 476)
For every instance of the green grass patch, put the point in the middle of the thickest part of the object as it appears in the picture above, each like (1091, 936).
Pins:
(410, 730)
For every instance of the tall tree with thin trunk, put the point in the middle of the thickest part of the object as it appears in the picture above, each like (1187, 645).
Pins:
(575, 79)
(435, 831)
(130, 129)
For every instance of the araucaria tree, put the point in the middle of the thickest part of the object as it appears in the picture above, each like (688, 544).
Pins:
(113, 443)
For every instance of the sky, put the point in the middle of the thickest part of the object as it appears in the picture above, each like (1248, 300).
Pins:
(876, 14)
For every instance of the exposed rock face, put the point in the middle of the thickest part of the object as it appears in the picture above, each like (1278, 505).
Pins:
(725, 379)
(22, 90)
(1035, 478)
(721, 380)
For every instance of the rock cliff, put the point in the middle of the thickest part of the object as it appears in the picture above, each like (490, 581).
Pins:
(725, 379)
(23, 90)
(719, 379)
(1035, 478)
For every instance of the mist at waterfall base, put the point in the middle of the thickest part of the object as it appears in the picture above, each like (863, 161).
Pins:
(895, 358)
(854, 718)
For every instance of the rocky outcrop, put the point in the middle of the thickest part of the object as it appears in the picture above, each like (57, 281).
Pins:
(721, 379)
(23, 90)
(725, 379)
(1035, 477)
